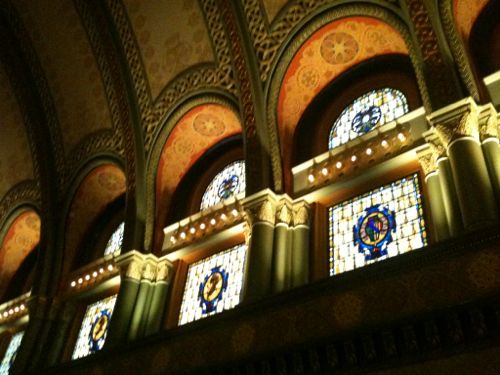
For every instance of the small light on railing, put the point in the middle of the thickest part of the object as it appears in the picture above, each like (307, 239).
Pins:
(384, 144)
(73, 284)
(172, 239)
(101, 270)
(22, 307)
(183, 235)
(310, 178)
(213, 221)
(223, 216)
(202, 226)
(369, 151)
(324, 171)
(401, 137)
(5, 314)
(234, 212)
(16, 309)
(80, 280)
(110, 267)
(192, 230)
(338, 164)
(94, 274)
(87, 277)
(11, 312)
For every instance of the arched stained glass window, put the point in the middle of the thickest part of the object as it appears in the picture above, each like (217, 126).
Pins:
(10, 354)
(114, 244)
(375, 108)
(382, 223)
(227, 183)
(94, 328)
(213, 284)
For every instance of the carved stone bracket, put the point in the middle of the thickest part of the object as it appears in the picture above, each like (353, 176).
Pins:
(488, 122)
(456, 121)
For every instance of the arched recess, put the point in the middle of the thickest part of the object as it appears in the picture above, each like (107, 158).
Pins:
(328, 46)
(191, 131)
(386, 71)
(99, 187)
(19, 238)
(458, 18)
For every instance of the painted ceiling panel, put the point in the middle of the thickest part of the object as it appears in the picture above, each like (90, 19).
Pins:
(196, 132)
(273, 7)
(466, 12)
(99, 188)
(15, 155)
(70, 67)
(172, 36)
(329, 52)
(21, 238)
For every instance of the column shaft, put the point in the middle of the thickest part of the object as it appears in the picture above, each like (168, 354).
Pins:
(491, 152)
(438, 212)
(300, 255)
(450, 198)
(281, 255)
(157, 307)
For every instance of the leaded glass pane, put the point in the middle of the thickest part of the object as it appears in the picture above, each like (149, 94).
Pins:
(10, 354)
(94, 327)
(367, 112)
(213, 284)
(230, 181)
(377, 225)
(115, 241)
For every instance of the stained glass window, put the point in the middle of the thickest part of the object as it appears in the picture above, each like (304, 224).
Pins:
(230, 181)
(10, 354)
(115, 241)
(94, 327)
(377, 225)
(367, 112)
(213, 284)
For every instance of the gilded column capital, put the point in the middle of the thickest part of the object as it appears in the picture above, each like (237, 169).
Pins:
(301, 213)
(131, 264)
(149, 270)
(488, 122)
(456, 121)
(427, 158)
(284, 213)
(261, 208)
(163, 270)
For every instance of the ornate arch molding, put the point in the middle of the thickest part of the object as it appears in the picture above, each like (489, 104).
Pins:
(168, 124)
(295, 42)
(21, 197)
(457, 47)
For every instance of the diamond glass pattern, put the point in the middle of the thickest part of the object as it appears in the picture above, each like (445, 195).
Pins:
(94, 327)
(11, 352)
(114, 244)
(213, 284)
(394, 213)
(375, 108)
(228, 182)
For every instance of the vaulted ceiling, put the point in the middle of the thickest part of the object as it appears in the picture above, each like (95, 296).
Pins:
(136, 91)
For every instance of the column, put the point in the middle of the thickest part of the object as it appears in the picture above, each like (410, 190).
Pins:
(488, 131)
(457, 127)
(300, 248)
(59, 338)
(260, 213)
(282, 248)
(159, 297)
(130, 265)
(450, 197)
(427, 159)
(140, 314)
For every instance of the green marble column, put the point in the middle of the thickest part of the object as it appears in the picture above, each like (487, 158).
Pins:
(260, 213)
(300, 248)
(144, 294)
(450, 198)
(60, 334)
(159, 298)
(130, 265)
(491, 151)
(282, 249)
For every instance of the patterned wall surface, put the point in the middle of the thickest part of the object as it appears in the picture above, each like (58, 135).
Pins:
(466, 12)
(273, 7)
(15, 155)
(166, 51)
(324, 56)
(197, 131)
(70, 67)
(99, 188)
(21, 238)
